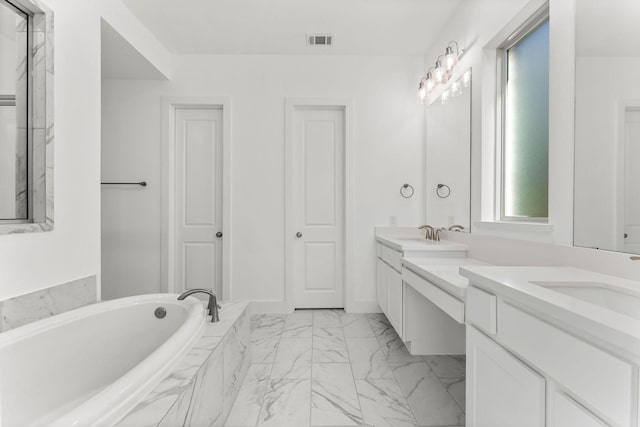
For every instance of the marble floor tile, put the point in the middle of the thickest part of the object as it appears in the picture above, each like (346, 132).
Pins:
(327, 318)
(334, 400)
(395, 350)
(268, 321)
(356, 325)
(246, 408)
(456, 388)
(293, 360)
(286, 403)
(447, 366)
(329, 345)
(298, 324)
(264, 345)
(320, 372)
(367, 359)
(429, 400)
(383, 404)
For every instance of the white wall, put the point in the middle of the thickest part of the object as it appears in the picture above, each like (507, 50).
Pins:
(388, 128)
(34, 261)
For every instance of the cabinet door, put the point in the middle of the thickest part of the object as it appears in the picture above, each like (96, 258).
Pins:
(394, 299)
(569, 413)
(381, 284)
(501, 390)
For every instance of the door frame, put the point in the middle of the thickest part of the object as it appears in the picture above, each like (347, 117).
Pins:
(623, 107)
(169, 107)
(291, 105)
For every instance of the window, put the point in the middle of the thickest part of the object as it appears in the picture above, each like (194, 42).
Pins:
(524, 103)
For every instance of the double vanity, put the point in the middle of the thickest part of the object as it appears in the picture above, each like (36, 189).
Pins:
(548, 346)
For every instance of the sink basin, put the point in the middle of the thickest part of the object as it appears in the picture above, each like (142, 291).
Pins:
(416, 239)
(602, 294)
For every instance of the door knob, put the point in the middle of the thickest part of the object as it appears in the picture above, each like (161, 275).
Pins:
(298, 234)
(219, 234)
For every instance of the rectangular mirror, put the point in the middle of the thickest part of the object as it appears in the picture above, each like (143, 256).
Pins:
(607, 125)
(14, 45)
(26, 117)
(448, 156)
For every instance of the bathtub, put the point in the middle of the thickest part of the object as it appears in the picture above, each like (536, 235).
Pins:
(90, 366)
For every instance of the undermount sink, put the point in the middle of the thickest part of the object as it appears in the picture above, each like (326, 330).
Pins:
(598, 293)
(415, 239)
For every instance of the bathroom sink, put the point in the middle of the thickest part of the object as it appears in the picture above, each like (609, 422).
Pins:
(415, 239)
(598, 293)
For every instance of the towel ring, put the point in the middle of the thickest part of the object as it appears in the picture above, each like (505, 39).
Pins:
(406, 191)
(443, 194)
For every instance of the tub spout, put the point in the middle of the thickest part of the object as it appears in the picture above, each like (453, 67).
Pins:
(213, 301)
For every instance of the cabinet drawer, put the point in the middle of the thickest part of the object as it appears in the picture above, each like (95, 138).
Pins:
(445, 301)
(598, 378)
(392, 257)
(378, 250)
(481, 309)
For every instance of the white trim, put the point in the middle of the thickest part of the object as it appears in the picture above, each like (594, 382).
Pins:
(623, 106)
(169, 106)
(346, 104)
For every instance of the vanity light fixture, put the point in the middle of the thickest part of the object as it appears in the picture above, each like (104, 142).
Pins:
(451, 57)
(445, 96)
(442, 72)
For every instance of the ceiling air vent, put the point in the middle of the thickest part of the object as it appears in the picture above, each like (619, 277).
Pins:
(319, 39)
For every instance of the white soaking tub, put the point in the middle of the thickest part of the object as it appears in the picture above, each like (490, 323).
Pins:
(90, 366)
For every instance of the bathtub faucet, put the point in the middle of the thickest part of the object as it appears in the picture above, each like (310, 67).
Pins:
(213, 301)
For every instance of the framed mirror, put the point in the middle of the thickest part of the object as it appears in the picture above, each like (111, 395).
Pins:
(26, 117)
(607, 125)
(448, 156)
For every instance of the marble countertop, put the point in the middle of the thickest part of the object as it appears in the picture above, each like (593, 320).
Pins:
(517, 283)
(443, 272)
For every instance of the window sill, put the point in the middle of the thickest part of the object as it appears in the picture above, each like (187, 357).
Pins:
(534, 231)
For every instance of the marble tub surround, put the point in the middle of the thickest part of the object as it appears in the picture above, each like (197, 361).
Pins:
(48, 302)
(330, 368)
(202, 388)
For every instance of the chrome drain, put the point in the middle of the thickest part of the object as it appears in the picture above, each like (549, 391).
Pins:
(160, 312)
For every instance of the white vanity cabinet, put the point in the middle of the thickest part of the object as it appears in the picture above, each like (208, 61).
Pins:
(504, 392)
(527, 368)
(390, 292)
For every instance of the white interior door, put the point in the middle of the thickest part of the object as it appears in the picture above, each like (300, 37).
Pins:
(318, 207)
(198, 199)
(631, 180)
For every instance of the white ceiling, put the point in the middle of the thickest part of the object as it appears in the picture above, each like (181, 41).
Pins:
(608, 28)
(367, 27)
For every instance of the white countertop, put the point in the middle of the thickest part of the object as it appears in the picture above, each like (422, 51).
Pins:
(443, 272)
(516, 282)
(417, 243)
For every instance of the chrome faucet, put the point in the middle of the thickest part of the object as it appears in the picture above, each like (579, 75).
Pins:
(213, 301)
(456, 228)
(429, 232)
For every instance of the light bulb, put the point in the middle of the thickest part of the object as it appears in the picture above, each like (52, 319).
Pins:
(450, 58)
(438, 73)
(430, 82)
(422, 91)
